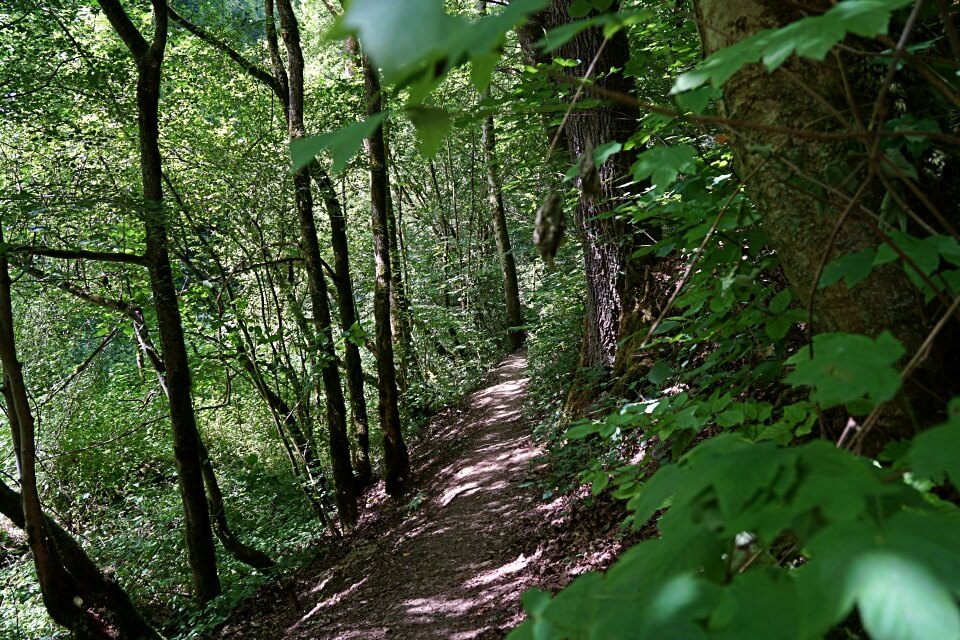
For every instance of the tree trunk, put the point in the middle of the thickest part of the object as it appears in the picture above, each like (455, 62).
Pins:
(348, 318)
(396, 462)
(796, 229)
(346, 498)
(94, 587)
(508, 266)
(614, 291)
(59, 590)
(186, 440)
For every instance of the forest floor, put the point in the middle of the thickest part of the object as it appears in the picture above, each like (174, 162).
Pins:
(452, 559)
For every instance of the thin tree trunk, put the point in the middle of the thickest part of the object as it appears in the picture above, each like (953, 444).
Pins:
(348, 318)
(396, 461)
(508, 266)
(231, 543)
(336, 407)
(186, 440)
(94, 586)
(58, 589)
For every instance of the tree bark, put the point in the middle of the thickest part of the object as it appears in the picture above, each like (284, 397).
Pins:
(396, 461)
(201, 553)
(348, 318)
(613, 283)
(231, 543)
(797, 230)
(508, 266)
(346, 498)
(59, 590)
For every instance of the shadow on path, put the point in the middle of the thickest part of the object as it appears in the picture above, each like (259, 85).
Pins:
(456, 567)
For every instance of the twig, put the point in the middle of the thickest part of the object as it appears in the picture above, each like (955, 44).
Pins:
(918, 357)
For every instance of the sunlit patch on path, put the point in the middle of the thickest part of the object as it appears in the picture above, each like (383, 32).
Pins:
(456, 567)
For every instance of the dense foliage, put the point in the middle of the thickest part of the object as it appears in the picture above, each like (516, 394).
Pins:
(781, 412)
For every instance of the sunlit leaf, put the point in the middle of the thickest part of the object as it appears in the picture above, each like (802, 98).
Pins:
(342, 143)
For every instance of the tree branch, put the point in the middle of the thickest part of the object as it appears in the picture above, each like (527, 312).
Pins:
(249, 67)
(78, 254)
(127, 31)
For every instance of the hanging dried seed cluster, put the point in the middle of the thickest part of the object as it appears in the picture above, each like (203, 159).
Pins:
(590, 184)
(548, 226)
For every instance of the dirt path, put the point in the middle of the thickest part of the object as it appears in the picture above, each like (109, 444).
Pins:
(455, 567)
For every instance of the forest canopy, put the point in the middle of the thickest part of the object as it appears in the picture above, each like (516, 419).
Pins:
(248, 250)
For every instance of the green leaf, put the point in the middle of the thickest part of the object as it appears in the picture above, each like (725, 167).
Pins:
(579, 9)
(581, 431)
(482, 68)
(811, 37)
(432, 125)
(663, 164)
(696, 101)
(936, 452)
(848, 367)
(853, 267)
(603, 153)
(399, 36)
(342, 143)
(780, 302)
(659, 373)
(556, 38)
(535, 601)
(730, 418)
(899, 599)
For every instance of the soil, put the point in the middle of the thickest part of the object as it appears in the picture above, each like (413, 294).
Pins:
(452, 559)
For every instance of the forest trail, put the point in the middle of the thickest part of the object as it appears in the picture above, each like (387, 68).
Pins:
(455, 566)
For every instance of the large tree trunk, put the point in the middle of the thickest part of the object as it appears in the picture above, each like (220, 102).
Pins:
(336, 407)
(396, 462)
(186, 440)
(614, 291)
(797, 228)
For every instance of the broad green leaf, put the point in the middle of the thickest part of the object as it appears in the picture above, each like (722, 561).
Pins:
(936, 452)
(659, 373)
(848, 367)
(663, 164)
(853, 267)
(780, 302)
(696, 101)
(899, 599)
(923, 253)
(535, 601)
(603, 153)
(400, 35)
(811, 37)
(556, 38)
(432, 125)
(579, 9)
(482, 68)
(342, 144)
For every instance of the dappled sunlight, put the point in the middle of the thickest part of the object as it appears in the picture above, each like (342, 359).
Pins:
(330, 601)
(498, 574)
(456, 566)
